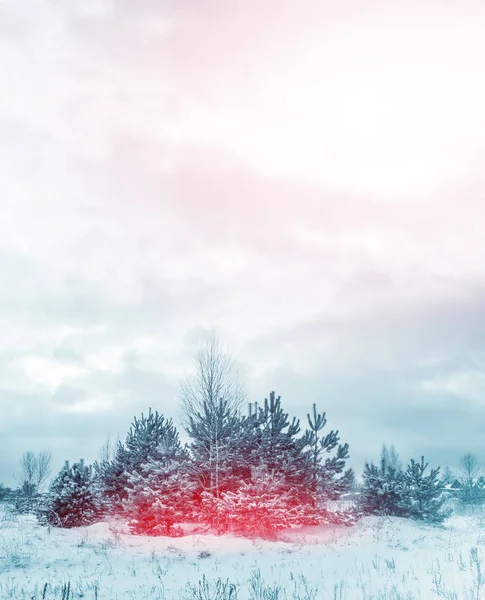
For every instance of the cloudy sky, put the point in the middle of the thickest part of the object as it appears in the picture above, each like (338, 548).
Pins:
(304, 176)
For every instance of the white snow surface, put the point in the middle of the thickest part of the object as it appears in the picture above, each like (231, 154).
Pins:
(379, 558)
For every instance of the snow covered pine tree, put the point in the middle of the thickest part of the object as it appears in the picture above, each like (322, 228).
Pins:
(324, 481)
(111, 478)
(261, 507)
(211, 400)
(159, 489)
(141, 444)
(70, 501)
(389, 491)
(284, 479)
(218, 435)
(384, 491)
(424, 493)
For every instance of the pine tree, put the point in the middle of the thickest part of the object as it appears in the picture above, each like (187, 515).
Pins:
(158, 498)
(277, 446)
(143, 442)
(387, 491)
(213, 432)
(261, 507)
(219, 451)
(424, 493)
(111, 478)
(71, 501)
(159, 490)
(325, 484)
(316, 424)
(211, 401)
(26, 498)
(384, 491)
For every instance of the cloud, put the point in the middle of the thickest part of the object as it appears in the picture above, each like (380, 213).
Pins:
(401, 335)
(373, 406)
(304, 179)
(412, 376)
(337, 96)
(469, 385)
(46, 372)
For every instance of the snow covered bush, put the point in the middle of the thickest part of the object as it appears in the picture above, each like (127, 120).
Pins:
(384, 491)
(157, 498)
(227, 447)
(261, 507)
(70, 501)
(25, 498)
(235, 464)
(424, 499)
(389, 491)
(327, 479)
(145, 444)
(158, 492)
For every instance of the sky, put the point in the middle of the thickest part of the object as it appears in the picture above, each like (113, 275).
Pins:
(305, 177)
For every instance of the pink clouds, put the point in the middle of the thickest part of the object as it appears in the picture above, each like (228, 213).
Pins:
(308, 141)
(380, 100)
(384, 100)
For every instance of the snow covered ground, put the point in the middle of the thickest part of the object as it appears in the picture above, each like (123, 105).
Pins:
(380, 558)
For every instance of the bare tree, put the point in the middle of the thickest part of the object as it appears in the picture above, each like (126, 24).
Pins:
(108, 449)
(43, 469)
(215, 378)
(211, 402)
(34, 471)
(469, 469)
(28, 468)
(390, 458)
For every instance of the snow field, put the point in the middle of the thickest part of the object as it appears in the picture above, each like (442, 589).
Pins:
(378, 559)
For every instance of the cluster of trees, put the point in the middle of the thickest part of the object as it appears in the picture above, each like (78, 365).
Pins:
(32, 477)
(6, 493)
(415, 492)
(253, 475)
(388, 489)
(467, 483)
(252, 472)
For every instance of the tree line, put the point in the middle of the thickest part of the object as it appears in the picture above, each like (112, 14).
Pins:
(249, 469)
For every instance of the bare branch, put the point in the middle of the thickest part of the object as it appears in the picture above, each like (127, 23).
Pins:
(28, 469)
(215, 378)
(469, 468)
(44, 461)
(108, 449)
(34, 470)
